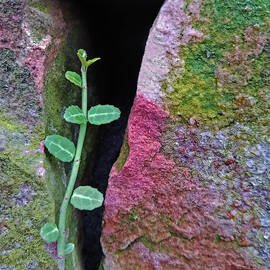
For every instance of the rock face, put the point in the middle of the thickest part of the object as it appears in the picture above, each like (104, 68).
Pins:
(191, 189)
(35, 51)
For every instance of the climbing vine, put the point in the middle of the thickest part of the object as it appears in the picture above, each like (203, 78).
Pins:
(83, 197)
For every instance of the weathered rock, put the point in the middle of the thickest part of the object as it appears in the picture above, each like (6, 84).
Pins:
(190, 189)
(36, 48)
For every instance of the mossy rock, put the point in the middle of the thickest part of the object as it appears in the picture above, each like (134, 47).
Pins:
(33, 95)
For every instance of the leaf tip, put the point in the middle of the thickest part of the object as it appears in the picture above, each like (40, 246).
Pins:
(82, 53)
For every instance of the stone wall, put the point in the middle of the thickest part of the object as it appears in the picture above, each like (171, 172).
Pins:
(38, 44)
(191, 188)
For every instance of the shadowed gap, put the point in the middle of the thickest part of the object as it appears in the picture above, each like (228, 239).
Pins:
(118, 30)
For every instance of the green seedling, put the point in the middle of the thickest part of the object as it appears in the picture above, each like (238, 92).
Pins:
(83, 197)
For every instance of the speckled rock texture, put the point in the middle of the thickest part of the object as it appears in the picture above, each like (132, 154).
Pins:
(35, 51)
(191, 189)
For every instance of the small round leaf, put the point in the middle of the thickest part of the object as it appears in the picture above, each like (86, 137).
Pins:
(103, 114)
(49, 232)
(69, 248)
(86, 198)
(74, 78)
(60, 147)
(74, 114)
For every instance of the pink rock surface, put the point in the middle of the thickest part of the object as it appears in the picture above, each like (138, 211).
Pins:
(152, 202)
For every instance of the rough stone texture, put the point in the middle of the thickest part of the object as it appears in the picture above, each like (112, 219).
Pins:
(36, 48)
(190, 189)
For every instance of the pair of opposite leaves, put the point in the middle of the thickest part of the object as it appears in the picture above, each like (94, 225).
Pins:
(64, 149)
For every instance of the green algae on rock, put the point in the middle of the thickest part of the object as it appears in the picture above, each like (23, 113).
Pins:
(221, 77)
(123, 154)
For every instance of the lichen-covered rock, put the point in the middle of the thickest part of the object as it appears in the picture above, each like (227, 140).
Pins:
(191, 188)
(36, 48)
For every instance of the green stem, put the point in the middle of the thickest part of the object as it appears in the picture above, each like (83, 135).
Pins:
(75, 168)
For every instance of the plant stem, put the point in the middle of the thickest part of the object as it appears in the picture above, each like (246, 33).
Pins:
(75, 168)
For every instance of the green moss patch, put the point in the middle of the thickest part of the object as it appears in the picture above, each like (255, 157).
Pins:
(41, 5)
(123, 155)
(224, 73)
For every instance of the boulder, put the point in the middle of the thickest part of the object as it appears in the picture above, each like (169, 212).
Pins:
(37, 46)
(190, 189)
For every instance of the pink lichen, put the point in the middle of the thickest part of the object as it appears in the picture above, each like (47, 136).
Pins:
(144, 131)
(40, 171)
(170, 205)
